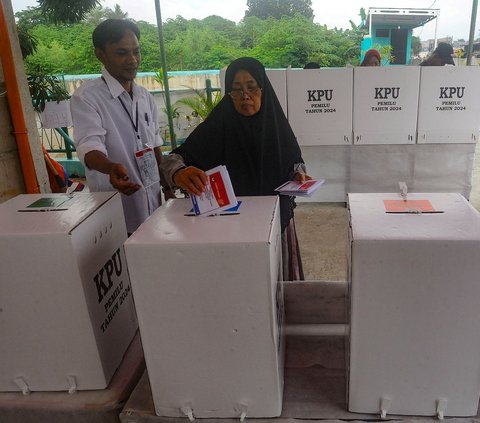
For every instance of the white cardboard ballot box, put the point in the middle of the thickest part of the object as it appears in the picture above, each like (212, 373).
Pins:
(385, 104)
(66, 308)
(210, 309)
(449, 109)
(414, 321)
(320, 105)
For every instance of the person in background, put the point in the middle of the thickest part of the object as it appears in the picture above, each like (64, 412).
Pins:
(441, 56)
(312, 65)
(249, 134)
(115, 125)
(372, 58)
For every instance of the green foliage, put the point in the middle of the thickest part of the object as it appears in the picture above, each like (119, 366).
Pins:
(66, 11)
(159, 78)
(277, 9)
(44, 88)
(149, 46)
(210, 43)
(28, 43)
(201, 103)
(416, 46)
(386, 53)
(30, 17)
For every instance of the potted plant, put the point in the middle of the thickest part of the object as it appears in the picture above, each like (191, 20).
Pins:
(50, 99)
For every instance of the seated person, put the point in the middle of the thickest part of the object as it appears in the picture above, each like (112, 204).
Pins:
(249, 134)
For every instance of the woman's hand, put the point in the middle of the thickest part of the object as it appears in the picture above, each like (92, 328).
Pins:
(191, 179)
(301, 177)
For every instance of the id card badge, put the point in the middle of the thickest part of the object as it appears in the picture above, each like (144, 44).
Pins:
(147, 164)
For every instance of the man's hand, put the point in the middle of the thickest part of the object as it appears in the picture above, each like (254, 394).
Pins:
(191, 179)
(120, 181)
(117, 172)
(301, 177)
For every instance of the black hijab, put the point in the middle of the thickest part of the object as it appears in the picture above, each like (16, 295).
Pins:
(259, 151)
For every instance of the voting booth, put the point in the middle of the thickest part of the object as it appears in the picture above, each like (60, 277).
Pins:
(449, 107)
(320, 105)
(385, 104)
(278, 79)
(210, 309)
(414, 290)
(66, 308)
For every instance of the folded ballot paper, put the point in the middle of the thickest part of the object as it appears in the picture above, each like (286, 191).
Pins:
(302, 189)
(218, 196)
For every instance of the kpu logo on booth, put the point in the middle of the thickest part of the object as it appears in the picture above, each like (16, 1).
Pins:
(320, 95)
(452, 92)
(384, 93)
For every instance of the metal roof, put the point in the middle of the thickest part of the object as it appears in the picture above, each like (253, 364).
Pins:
(411, 18)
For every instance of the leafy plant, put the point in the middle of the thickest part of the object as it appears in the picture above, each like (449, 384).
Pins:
(44, 88)
(173, 112)
(201, 103)
(386, 53)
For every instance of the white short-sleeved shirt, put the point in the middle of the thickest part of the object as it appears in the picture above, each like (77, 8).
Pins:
(101, 123)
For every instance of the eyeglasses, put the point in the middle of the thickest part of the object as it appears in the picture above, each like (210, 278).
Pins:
(250, 91)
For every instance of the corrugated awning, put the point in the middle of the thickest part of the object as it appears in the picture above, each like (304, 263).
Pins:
(411, 18)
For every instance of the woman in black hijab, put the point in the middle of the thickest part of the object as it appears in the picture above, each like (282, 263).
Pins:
(249, 134)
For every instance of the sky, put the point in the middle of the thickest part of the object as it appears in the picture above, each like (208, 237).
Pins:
(453, 21)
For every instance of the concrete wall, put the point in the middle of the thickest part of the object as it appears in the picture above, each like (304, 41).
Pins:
(11, 177)
(181, 84)
(11, 180)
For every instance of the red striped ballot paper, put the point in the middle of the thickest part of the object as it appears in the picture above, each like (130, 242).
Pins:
(219, 194)
(302, 189)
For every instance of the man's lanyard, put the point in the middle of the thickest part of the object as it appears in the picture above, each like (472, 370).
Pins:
(134, 124)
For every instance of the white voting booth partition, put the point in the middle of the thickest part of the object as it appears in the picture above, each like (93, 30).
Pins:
(385, 104)
(414, 305)
(210, 309)
(385, 120)
(320, 105)
(449, 110)
(67, 314)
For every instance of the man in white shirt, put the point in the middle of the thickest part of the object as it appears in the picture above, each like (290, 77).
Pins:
(115, 125)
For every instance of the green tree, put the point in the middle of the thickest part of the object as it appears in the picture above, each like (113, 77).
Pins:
(416, 46)
(66, 11)
(51, 59)
(116, 12)
(149, 47)
(30, 17)
(200, 47)
(210, 43)
(251, 30)
(264, 9)
(99, 14)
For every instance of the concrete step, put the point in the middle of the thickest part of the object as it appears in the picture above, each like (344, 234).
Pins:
(316, 324)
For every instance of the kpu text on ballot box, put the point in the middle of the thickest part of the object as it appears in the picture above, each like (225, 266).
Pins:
(210, 309)
(66, 308)
(414, 340)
